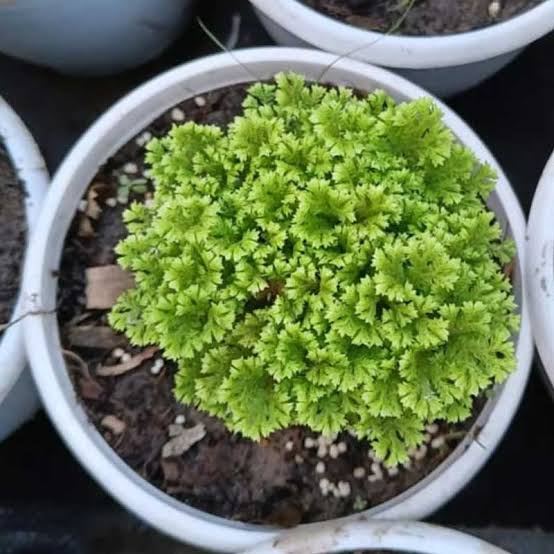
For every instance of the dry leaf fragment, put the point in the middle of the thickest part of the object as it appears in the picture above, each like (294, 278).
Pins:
(105, 284)
(93, 208)
(124, 367)
(175, 430)
(86, 230)
(182, 442)
(95, 336)
(113, 424)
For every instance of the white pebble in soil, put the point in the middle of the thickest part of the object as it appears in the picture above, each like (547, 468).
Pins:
(359, 472)
(376, 473)
(342, 447)
(320, 467)
(393, 471)
(125, 357)
(180, 419)
(334, 451)
(432, 428)
(344, 488)
(83, 205)
(324, 486)
(118, 352)
(309, 442)
(437, 442)
(420, 453)
(298, 459)
(143, 139)
(177, 114)
(200, 101)
(321, 451)
(130, 167)
(157, 366)
(289, 445)
(494, 9)
(111, 202)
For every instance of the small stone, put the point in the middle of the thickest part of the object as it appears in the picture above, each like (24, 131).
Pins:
(374, 478)
(432, 428)
(393, 471)
(200, 101)
(494, 9)
(421, 452)
(125, 357)
(412, 451)
(427, 438)
(320, 467)
(177, 114)
(118, 352)
(321, 451)
(342, 447)
(376, 470)
(111, 202)
(324, 486)
(371, 454)
(334, 451)
(157, 366)
(407, 465)
(437, 442)
(180, 419)
(114, 424)
(130, 167)
(83, 204)
(344, 488)
(289, 446)
(298, 459)
(142, 139)
(359, 472)
(309, 442)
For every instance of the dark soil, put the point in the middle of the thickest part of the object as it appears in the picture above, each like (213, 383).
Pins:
(12, 233)
(273, 481)
(425, 17)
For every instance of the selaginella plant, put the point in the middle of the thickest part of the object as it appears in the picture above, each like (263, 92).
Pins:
(327, 260)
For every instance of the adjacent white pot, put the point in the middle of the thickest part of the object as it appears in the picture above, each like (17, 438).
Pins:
(18, 397)
(540, 268)
(93, 37)
(363, 534)
(118, 125)
(444, 65)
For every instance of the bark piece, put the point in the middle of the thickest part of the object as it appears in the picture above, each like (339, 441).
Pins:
(105, 284)
(124, 367)
(95, 336)
(182, 442)
(113, 424)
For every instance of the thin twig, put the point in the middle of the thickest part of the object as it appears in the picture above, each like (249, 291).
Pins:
(4, 326)
(224, 48)
(392, 30)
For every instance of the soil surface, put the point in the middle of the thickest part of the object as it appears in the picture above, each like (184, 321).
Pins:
(424, 17)
(12, 233)
(275, 481)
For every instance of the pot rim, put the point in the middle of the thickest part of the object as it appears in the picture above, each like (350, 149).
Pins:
(125, 120)
(404, 536)
(414, 52)
(33, 175)
(540, 268)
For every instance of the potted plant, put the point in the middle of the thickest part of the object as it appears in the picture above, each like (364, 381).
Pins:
(540, 269)
(23, 181)
(371, 536)
(143, 438)
(90, 38)
(443, 52)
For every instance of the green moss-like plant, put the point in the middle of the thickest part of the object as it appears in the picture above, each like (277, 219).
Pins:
(328, 261)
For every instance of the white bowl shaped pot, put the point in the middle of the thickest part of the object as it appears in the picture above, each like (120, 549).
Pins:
(540, 269)
(18, 397)
(90, 37)
(444, 64)
(362, 534)
(116, 127)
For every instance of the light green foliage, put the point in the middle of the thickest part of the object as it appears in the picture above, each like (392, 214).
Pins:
(328, 261)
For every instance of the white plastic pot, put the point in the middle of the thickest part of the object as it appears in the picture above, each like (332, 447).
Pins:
(18, 397)
(444, 65)
(540, 268)
(92, 37)
(117, 126)
(407, 537)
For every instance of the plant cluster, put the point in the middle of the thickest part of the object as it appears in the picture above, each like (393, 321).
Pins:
(327, 260)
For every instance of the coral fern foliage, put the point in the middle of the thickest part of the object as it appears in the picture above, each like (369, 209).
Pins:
(327, 260)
